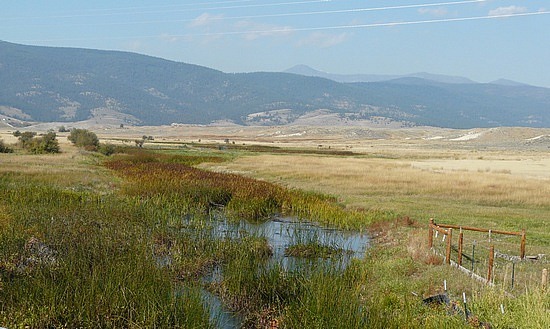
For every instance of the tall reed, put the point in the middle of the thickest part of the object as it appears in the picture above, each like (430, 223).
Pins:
(240, 196)
(78, 259)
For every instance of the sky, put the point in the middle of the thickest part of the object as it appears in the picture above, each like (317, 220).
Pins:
(483, 40)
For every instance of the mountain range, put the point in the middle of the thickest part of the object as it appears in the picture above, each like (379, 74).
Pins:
(49, 84)
(347, 78)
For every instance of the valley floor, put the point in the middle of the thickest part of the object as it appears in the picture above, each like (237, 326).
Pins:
(493, 178)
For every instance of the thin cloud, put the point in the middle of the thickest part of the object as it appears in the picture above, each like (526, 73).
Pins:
(286, 30)
(253, 31)
(510, 10)
(169, 38)
(135, 45)
(323, 40)
(204, 20)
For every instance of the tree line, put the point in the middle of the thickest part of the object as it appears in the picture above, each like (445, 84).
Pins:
(48, 144)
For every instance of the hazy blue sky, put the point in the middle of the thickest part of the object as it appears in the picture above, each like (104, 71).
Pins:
(481, 40)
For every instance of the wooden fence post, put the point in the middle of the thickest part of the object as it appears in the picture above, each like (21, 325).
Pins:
(449, 241)
(460, 241)
(522, 245)
(491, 261)
(513, 274)
(431, 233)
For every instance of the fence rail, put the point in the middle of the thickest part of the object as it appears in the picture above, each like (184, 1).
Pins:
(447, 230)
(521, 234)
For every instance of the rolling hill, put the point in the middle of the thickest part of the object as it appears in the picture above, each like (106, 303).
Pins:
(45, 84)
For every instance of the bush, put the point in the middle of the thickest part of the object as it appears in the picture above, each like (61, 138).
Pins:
(84, 138)
(108, 149)
(39, 145)
(25, 138)
(4, 148)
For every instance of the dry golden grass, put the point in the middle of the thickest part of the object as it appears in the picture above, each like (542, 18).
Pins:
(72, 168)
(488, 199)
(359, 178)
(471, 183)
(496, 200)
(401, 170)
(451, 182)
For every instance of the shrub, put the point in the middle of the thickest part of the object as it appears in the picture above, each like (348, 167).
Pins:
(4, 148)
(44, 144)
(84, 138)
(39, 145)
(25, 138)
(108, 149)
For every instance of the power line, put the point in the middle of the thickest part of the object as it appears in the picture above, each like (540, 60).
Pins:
(357, 26)
(335, 27)
(307, 13)
(171, 6)
(273, 4)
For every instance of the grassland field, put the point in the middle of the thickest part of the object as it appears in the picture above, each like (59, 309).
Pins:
(490, 178)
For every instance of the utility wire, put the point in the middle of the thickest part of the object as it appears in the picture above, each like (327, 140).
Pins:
(287, 29)
(247, 6)
(355, 26)
(288, 14)
(358, 26)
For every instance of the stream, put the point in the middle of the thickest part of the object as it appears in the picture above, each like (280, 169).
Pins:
(280, 232)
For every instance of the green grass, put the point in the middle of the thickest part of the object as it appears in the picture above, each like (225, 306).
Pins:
(331, 299)
(313, 250)
(103, 274)
(310, 246)
(398, 275)
(400, 263)
(134, 254)
(122, 259)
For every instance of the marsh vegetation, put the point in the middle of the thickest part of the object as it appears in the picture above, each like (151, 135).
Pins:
(177, 238)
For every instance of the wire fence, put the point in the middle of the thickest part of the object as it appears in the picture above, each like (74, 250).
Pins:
(495, 257)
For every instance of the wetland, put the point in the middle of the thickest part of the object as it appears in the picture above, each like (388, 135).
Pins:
(329, 234)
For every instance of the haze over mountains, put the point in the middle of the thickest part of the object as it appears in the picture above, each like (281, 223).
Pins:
(44, 84)
(309, 71)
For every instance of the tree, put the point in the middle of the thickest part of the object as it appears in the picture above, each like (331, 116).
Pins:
(84, 138)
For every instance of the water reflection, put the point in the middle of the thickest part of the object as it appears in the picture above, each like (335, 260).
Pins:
(280, 233)
(283, 232)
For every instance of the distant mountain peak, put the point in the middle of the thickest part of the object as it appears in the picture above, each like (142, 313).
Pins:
(48, 84)
(440, 77)
(303, 69)
(506, 82)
